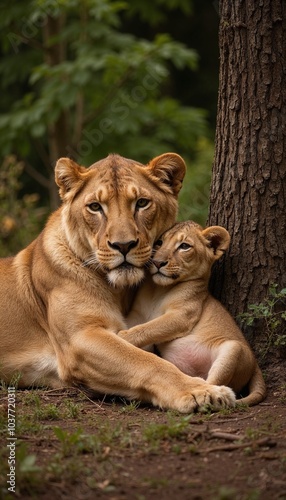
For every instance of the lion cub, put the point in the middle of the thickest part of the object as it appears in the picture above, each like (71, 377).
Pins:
(174, 310)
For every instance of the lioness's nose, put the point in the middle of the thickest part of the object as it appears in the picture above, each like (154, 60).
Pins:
(123, 247)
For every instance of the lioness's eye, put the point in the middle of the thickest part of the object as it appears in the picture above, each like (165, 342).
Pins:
(141, 203)
(94, 207)
(185, 246)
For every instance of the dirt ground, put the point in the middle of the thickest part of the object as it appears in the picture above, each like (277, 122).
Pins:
(72, 446)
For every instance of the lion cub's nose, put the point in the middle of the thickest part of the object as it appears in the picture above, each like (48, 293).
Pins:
(123, 247)
(159, 264)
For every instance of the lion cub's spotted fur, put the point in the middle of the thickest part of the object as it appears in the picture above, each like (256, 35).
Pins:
(190, 328)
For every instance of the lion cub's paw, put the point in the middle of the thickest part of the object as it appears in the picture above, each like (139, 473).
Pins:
(122, 334)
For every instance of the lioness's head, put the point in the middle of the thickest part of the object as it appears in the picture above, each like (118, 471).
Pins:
(187, 252)
(114, 211)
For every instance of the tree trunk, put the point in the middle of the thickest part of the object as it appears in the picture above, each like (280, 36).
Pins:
(248, 190)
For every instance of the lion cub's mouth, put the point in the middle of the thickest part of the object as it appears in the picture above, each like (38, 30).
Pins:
(159, 274)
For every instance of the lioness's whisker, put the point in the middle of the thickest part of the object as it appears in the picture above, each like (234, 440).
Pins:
(91, 261)
(148, 263)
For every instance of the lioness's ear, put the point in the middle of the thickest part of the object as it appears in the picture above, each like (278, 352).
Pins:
(68, 175)
(218, 240)
(170, 168)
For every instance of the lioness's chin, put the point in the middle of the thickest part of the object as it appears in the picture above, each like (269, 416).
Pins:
(122, 277)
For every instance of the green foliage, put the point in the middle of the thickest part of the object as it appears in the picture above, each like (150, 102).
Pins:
(194, 197)
(20, 218)
(75, 84)
(156, 12)
(109, 83)
(272, 313)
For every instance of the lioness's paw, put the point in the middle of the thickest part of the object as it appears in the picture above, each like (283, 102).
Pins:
(212, 396)
(220, 397)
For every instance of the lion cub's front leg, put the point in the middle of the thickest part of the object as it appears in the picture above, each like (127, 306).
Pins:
(158, 330)
(169, 326)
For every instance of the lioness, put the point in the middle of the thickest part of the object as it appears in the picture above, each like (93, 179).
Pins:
(176, 304)
(62, 299)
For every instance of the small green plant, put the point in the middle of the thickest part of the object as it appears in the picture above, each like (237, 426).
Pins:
(282, 397)
(225, 493)
(27, 425)
(156, 482)
(253, 495)
(272, 311)
(71, 469)
(14, 381)
(76, 443)
(130, 406)
(72, 409)
(42, 412)
(49, 412)
(173, 429)
(72, 443)
(28, 472)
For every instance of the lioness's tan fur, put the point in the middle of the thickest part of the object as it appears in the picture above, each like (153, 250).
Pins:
(190, 328)
(63, 298)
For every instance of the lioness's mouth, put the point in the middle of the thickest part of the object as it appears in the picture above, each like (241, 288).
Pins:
(125, 265)
(126, 274)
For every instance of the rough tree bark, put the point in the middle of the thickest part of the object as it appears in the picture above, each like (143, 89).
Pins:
(248, 191)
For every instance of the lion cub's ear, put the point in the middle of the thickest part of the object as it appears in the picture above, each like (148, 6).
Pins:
(218, 240)
(68, 175)
(170, 168)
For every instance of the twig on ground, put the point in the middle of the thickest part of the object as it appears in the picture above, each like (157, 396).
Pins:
(247, 444)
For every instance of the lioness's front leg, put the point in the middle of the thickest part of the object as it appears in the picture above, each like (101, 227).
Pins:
(105, 363)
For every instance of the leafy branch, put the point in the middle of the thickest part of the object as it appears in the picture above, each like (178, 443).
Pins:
(272, 311)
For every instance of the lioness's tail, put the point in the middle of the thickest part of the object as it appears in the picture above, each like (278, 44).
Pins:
(257, 389)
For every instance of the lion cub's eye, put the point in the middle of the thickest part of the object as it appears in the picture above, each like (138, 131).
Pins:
(158, 244)
(185, 246)
(94, 207)
(141, 203)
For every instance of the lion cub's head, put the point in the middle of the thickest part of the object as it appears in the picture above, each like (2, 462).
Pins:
(187, 252)
(114, 211)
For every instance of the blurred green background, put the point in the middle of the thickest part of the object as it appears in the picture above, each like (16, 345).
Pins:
(84, 78)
